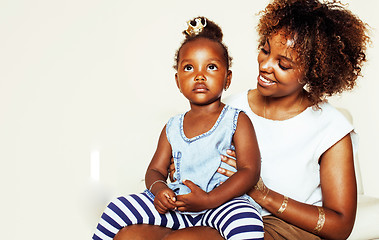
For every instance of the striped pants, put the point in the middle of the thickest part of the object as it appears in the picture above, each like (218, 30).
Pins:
(236, 219)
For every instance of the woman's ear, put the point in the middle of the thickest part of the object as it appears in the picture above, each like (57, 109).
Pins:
(228, 80)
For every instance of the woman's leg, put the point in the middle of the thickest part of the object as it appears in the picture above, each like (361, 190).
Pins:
(142, 232)
(278, 229)
(194, 233)
(236, 219)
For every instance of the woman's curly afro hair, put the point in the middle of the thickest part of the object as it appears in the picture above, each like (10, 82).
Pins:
(329, 39)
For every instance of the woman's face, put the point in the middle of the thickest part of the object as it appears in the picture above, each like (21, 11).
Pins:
(279, 73)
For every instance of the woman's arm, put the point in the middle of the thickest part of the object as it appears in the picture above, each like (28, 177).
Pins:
(339, 196)
(248, 167)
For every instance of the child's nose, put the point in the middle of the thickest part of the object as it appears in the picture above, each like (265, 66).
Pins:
(200, 77)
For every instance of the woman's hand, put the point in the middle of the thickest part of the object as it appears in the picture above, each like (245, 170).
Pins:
(259, 192)
(165, 201)
(225, 159)
(195, 201)
(171, 169)
(229, 161)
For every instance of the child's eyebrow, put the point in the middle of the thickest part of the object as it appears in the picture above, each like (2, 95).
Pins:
(209, 59)
(185, 61)
(215, 59)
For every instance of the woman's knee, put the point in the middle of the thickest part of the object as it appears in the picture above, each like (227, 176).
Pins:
(194, 233)
(142, 232)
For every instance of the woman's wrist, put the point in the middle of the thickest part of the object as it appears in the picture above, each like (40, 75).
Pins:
(260, 193)
(283, 206)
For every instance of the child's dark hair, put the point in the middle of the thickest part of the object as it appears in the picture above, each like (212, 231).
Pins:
(329, 39)
(212, 32)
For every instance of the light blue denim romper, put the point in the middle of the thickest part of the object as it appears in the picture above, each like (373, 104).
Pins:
(197, 159)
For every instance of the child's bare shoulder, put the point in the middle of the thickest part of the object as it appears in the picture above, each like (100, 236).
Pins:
(243, 118)
(244, 123)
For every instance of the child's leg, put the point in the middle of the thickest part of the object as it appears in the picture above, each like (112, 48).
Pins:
(236, 219)
(134, 209)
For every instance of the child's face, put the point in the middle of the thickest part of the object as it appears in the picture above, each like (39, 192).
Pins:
(279, 73)
(202, 72)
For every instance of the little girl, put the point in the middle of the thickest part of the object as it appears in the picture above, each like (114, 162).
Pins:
(198, 196)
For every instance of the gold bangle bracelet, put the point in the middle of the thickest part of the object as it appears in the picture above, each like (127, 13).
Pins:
(321, 220)
(284, 205)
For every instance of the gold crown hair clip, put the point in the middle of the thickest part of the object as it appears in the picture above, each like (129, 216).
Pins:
(195, 30)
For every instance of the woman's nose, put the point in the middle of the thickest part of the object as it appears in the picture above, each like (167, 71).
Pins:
(266, 65)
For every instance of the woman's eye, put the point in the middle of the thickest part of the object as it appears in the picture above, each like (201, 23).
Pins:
(264, 51)
(188, 68)
(283, 67)
(212, 67)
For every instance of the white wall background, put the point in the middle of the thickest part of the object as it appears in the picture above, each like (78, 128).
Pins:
(80, 77)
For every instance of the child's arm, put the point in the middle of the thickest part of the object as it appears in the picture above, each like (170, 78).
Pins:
(247, 175)
(156, 175)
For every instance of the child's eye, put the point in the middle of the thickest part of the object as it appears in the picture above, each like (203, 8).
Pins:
(212, 67)
(188, 68)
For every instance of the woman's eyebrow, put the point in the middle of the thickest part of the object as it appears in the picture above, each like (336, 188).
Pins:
(281, 56)
(286, 58)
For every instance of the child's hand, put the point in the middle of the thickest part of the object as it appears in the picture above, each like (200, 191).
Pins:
(165, 201)
(195, 201)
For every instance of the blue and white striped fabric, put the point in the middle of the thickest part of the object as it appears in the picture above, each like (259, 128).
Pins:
(236, 219)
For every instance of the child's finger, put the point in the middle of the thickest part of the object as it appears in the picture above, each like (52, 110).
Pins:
(160, 207)
(190, 185)
(165, 202)
(162, 210)
(179, 204)
(182, 209)
(170, 199)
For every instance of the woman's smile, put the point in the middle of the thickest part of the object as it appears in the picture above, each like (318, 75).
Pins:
(265, 82)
